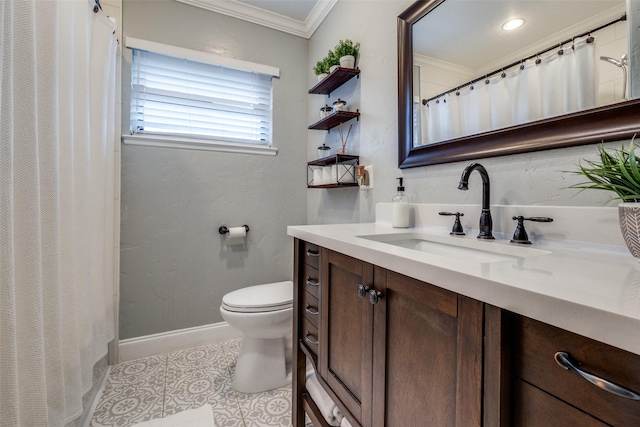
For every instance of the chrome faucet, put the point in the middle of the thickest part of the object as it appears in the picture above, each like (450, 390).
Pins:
(486, 224)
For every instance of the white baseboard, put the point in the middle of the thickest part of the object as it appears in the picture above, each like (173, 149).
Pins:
(164, 342)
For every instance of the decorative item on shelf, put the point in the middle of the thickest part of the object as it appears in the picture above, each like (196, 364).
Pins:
(340, 105)
(347, 51)
(618, 171)
(321, 69)
(362, 175)
(325, 111)
(323, 151)
(343, 150)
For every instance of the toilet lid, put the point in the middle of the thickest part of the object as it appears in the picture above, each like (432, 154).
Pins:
(260, 298)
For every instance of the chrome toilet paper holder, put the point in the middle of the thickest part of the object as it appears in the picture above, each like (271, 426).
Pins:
(225, 230)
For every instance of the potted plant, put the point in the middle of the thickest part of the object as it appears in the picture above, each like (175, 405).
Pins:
(332, 60)
(320, 69)
(617, 171)
(347, 51)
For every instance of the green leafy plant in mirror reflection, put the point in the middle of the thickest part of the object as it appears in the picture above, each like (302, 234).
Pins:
(616, 171)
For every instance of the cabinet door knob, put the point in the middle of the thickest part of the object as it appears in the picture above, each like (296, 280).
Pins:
(311, 282)
(362, 290)
(564, 360)
(374, 296)
(312, 253)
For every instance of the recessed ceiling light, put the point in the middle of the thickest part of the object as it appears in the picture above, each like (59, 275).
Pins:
(512, 24)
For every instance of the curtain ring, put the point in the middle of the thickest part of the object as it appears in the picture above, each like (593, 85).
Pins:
(590, 39)
(457, 93)
(471, 87)
(538, 60)
(437, 101)
(503, 75)
(561, 51)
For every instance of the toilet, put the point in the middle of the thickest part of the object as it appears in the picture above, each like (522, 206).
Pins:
(264, 314)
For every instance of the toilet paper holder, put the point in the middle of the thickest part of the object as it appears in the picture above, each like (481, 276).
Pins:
(225, 230)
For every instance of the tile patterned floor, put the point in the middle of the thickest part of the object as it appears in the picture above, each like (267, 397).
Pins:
(159, 386)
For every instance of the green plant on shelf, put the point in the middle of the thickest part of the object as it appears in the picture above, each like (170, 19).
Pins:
(346, 47)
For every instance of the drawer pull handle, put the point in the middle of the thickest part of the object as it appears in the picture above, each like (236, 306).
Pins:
(311, 282)
(310, 311)
(309, 340)
(564, 360)
(312, 253)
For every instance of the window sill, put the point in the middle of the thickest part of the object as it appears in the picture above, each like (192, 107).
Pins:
(197, 144)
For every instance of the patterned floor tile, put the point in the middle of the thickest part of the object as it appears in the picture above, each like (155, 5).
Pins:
(267, 409)
(201, 375)
(160, 386)
(133, 393)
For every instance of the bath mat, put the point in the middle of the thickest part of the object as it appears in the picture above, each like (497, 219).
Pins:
(201, 417)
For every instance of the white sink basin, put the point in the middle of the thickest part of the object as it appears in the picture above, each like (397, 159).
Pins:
(467, 248)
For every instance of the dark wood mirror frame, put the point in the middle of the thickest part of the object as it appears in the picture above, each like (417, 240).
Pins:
(609, 123)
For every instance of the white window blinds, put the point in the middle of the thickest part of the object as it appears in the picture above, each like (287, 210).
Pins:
(181, 97)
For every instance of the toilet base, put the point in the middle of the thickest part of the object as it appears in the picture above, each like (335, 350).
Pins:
(261, 365)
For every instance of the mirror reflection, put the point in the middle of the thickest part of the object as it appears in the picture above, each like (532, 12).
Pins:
(472, 74)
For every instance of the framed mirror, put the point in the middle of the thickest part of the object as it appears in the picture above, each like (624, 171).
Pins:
(611, 122)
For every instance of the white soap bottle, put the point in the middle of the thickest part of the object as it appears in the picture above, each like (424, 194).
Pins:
(400, 208)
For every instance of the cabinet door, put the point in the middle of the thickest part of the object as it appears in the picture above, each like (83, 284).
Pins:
(345, 333)
(427, 360)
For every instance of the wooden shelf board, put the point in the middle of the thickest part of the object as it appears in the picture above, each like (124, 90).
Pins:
(334, 120)
(334, 158)
(312, 410)
(334, 80)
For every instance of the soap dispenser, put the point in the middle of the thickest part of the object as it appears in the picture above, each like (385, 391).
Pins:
(400, 208)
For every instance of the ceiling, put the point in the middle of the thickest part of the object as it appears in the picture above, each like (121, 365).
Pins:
(298, 17)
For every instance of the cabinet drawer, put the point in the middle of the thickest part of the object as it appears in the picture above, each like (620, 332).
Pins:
(310, 279)
(536, 345)
(311, 308)
(311, 254)
(309, 336)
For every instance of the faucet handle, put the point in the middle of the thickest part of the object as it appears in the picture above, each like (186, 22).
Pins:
(520, 235)
(457, 229)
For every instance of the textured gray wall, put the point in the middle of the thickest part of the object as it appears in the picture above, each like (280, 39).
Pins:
(526, 179)
(174, 265)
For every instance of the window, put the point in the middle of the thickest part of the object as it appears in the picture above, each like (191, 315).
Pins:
(199, 98)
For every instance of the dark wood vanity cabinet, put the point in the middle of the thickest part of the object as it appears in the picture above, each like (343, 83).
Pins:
(393, 351)
(547, 394)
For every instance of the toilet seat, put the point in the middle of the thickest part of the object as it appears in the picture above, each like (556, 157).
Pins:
(260, 298)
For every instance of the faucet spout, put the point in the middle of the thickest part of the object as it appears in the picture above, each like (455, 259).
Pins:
(486, 223)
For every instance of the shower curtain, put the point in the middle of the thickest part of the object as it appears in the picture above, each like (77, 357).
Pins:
(558, 84)
(56, 206)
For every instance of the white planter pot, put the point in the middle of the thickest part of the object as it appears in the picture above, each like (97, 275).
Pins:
(322, 76)
(629, 214)
(332, 68)
(348, 61)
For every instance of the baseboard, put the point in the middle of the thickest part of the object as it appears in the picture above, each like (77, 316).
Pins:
(164, 342)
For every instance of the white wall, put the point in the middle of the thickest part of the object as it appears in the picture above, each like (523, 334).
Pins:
(174, 265)
(525, 179)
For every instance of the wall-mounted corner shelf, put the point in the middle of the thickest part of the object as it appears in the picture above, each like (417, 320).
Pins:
(334, 119)
(337, 78)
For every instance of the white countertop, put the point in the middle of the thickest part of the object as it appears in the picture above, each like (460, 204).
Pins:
(590, 289)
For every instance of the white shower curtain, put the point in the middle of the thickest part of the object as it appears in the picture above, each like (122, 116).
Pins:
(56, 206)
(560, 84)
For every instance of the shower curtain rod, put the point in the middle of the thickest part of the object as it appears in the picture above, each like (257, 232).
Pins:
(501, 70)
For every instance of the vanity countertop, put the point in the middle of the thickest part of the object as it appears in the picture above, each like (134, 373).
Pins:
(590, 289)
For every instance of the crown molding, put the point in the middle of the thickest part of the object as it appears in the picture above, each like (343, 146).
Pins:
(268, 19)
